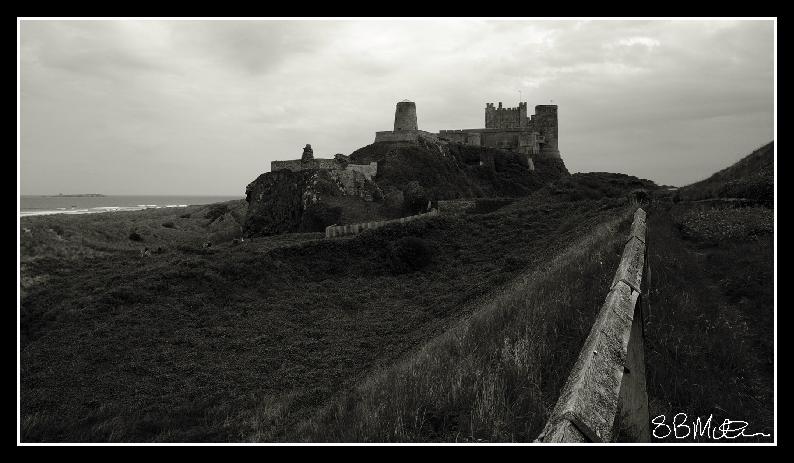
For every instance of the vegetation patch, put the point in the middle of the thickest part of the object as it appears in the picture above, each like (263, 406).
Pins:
(709, 341)
(714, 225)
(245, 342)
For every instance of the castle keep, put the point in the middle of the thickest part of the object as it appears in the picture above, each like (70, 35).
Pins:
(512, 129)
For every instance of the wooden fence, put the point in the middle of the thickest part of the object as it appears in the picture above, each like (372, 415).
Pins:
(605, 398)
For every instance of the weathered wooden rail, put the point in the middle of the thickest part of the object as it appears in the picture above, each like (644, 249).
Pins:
(605, 398)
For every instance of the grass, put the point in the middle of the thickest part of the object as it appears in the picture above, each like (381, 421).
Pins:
(247, 340)
(295, 337)
(713, 225)
(495, 376)
(709, 341)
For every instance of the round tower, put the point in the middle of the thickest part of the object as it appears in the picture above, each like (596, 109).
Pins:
(405, 116)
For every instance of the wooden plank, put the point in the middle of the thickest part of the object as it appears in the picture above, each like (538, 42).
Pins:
(608, 375)
(633, 420)
(631, 264)
(591, 393)
(638, 226)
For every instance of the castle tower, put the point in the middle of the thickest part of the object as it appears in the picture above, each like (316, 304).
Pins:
(405, 116)
(546, 123)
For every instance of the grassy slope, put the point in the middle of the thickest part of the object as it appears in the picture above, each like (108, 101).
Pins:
(749, 178)
(709, 341)
(495, 376)
(245, 342)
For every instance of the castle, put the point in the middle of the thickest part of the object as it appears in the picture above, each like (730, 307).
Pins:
(505, 128)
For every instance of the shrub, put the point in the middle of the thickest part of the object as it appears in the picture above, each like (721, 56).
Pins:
(414, 198)
(185, 216)
(134, 236)
(513, 262)
(216, 211)
(168, 224)
(316, 217)
(408, 254)
(640, 195)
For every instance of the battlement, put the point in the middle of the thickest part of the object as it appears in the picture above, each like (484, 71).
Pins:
(490, 107)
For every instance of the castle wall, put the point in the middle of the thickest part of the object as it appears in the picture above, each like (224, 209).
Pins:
(367, 171)
(474, 138)
(293, 165)
(296, 165)
(503, 140)
(410, 135)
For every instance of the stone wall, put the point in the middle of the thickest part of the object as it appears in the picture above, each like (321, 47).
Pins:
(333, 231)
(296, 165)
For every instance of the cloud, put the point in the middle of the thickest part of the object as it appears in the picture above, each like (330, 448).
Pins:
(204, 106)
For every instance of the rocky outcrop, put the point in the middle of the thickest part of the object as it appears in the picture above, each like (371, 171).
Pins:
(306, 196)
(287, 201)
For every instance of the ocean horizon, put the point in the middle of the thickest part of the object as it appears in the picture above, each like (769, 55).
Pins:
(30, 205)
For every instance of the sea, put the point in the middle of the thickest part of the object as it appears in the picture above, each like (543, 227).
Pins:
(43, 205)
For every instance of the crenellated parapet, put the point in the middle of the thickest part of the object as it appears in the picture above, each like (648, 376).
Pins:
(506, 118)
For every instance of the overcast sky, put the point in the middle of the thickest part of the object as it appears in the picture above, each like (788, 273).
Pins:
(202, 107)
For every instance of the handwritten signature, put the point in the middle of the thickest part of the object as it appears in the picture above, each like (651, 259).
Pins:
(728, 429)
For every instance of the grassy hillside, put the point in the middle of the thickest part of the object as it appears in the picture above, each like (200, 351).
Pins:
(247, 340)
(495, 376)
(592, 185)
(710, 337)
(750, 178)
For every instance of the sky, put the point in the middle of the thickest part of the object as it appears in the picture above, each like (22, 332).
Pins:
(130, 107)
